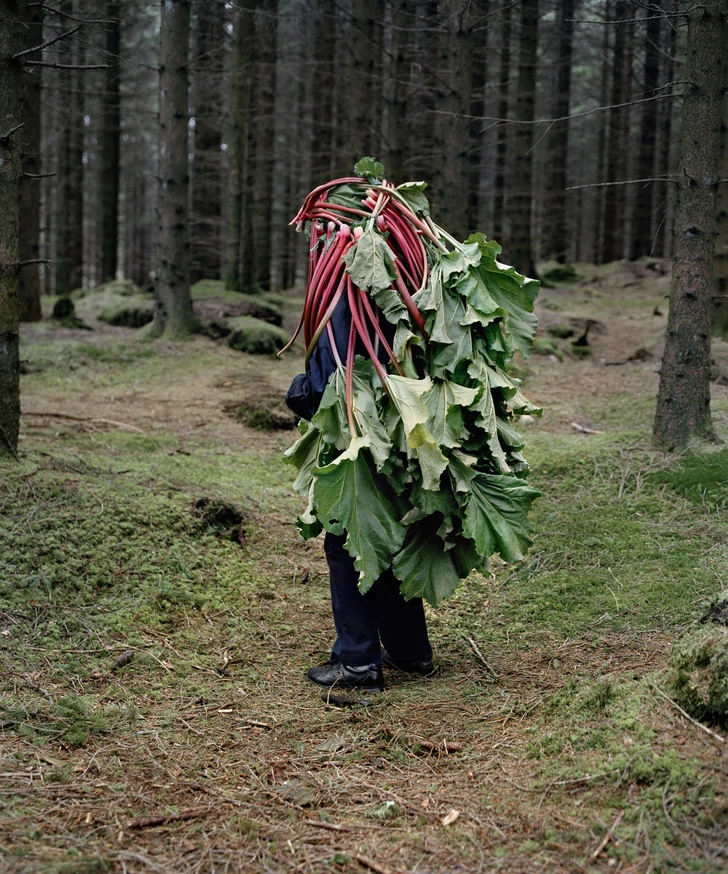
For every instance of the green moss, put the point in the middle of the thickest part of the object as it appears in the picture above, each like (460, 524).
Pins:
(702, 479)
(254, 336)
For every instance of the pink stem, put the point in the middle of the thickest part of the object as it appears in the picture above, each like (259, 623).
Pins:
(364, 298)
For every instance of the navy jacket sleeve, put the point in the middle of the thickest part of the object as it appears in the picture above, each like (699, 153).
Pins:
(307, 389)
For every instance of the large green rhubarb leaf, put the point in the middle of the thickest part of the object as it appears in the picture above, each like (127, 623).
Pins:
(304, 454)
(429, 455)
(423, 566)
(370, 262)
(496, 516)
(513, 293)
(445, 401)
(349, 496)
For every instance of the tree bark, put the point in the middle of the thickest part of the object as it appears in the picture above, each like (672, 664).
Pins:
(720, 302)
(173, 316)
(520, 250)
(206, 189)
(398, 16)
(642, 237)
(30, 185)
(618, 130)
(556, 244)
(683, 402)
(110, 144)
(451, 169)
(69, 207)
(364, 113)
(12, 14)
(266, 29)
(501, 147)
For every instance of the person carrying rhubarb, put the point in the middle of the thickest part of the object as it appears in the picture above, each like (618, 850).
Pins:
(407, 454)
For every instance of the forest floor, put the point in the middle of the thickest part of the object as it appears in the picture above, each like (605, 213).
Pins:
(154, 711)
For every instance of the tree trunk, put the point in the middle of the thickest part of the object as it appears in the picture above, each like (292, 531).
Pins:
(501, 147)
(556, 245)
(599, 192)
(720, 303)
(265, 90)
(641, 238)
(520, 251)
(69, 207)
(398, 16)
(451, 168)
(30, 187)
(662, 190)
(364, 114)
(617, 140)
(479, 77)
(12, 14)
(206, 190)
(173, 316)
(683, 402)
(110, 143)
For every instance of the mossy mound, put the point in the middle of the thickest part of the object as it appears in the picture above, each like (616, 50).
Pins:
(128, 312)
(216, 310)
(248, 334)
(116, 287)
(560, 273)
(697, 675)
(263, 414)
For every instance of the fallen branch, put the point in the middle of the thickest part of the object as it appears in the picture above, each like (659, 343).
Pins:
(582, 430)
(331, 826)
(480, 655)
(444, 746)
(83, 419)
(153, 821)
(609, 836)
(374, 866)
(687, 715)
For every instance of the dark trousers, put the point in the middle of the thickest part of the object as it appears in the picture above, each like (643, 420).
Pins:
(362, 621)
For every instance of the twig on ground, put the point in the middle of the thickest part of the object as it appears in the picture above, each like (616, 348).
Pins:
(608, 836)
(331, 826)
(687, 715)
(374, 866)
(83, 419)
(583, 430)
(152, 821)
(480, 655)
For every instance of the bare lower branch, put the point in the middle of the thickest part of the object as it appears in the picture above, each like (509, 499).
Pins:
(46, 44)
(37, 175)
(35, 261)
(67, 66)
(11, 131)
(626, 182)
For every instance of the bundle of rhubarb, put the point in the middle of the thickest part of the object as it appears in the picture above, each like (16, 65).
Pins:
(413, 452)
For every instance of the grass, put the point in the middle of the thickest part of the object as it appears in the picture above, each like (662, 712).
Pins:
(152, 664)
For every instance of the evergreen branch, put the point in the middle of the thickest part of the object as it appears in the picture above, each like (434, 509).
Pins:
(46, 44)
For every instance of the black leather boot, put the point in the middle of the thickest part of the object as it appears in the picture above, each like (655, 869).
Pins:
(425, 668)
(368, 677)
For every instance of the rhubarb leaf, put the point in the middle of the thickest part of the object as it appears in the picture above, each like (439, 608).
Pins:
(349, 496)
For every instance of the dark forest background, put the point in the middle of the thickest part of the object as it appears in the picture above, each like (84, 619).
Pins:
(524, 118)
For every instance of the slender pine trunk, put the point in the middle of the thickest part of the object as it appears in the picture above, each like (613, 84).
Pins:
(173, 316)
(12, 14)
(29, 215)
(683, 402)
(520, 249)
